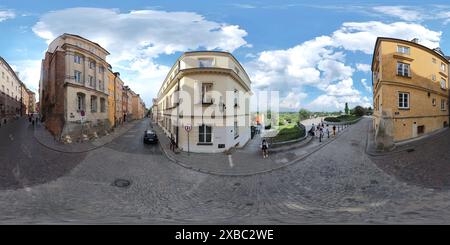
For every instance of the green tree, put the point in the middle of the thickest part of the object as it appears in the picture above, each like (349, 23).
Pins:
(346, 108)
(359, 111)
(303, 114)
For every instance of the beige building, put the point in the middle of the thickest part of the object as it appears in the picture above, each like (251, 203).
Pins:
(209, 92)
(11, 87)
(73, 87)
(410, 90)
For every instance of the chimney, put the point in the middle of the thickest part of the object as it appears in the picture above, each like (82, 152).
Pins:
(415, 40)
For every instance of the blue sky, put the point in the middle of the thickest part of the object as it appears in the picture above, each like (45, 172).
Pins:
(316, 54)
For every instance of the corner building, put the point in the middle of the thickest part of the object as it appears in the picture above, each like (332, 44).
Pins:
(74, 83)
(410, 90)
(194, 94)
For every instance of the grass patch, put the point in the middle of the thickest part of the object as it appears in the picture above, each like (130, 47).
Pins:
(288, 132)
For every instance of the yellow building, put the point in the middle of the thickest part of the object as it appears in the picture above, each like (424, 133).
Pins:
(111, 95)
(410, 90)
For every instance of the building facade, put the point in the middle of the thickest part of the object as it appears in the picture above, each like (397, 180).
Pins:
(31, 102)
(138, 107)
(208, 93)
(410, 90)
(73, 87)
(11, 88)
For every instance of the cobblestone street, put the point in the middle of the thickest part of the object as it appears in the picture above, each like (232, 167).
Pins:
(339, 183)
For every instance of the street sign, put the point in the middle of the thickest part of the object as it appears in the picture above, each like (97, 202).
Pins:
(188, 129)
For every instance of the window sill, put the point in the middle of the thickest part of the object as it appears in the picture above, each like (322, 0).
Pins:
(409, 77)
(200, 143)
(404, 109)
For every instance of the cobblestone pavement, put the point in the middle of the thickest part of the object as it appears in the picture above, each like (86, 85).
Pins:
(247, 160)
(337, 184)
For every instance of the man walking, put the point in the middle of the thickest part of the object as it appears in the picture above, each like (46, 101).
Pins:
(334, 130)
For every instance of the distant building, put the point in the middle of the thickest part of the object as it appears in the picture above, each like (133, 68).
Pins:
(410, 90)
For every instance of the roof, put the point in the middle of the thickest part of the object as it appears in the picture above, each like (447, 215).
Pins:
(434, 51)
(85, 39)
(205, 52)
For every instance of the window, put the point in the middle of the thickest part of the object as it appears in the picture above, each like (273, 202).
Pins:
(433, 77)
(93, 103)
(443, 67)
(204, 134)
(101, 69)
(433, 60)
(102, 105)
(236, 70)
(205, 62)
(236, 129)
(92, 65)
(91, 81)
(100, 85)
(80, 102)
(403, 69)
(77, 75)
(206, 96)
(236, 97)
(433, 102)
(77, 59)
(403, 49)
(443, 104)
(403, 100)
(443, 83)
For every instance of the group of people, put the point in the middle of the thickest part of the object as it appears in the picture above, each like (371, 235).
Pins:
(321, 130)
(33, 119)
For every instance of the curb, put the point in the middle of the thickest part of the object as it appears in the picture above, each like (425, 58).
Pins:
(249, 174)
(83, 151)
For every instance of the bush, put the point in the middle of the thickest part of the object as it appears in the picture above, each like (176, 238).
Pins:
(332, 119)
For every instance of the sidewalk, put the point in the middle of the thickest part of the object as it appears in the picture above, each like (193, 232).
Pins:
(46, 139)
(242, 161)
(407, 145)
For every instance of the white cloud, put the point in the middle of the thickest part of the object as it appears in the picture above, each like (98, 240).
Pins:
(292, 101)
(321, 63)
(361, 36)
(366, 86)
(363, 67)
(135, 39)
(6, 14)
(29, 73)
(402, 12)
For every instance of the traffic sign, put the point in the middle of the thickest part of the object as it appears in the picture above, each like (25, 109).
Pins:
(188, 127)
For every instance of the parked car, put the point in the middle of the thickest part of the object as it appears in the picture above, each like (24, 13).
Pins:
(150, 137)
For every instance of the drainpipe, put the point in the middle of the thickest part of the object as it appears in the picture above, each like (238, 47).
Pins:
(178, 104)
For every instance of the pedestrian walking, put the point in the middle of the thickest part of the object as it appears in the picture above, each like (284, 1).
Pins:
(327, 131)
(264, 148)
(334, 130)
(172, 143)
